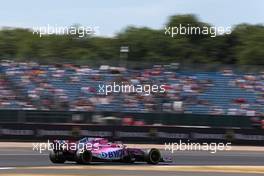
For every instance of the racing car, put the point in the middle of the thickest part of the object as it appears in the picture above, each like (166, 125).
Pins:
(89, 150)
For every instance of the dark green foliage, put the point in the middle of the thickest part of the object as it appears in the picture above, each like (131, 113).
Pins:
(245, 45)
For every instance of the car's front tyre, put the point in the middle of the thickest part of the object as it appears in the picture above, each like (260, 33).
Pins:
(152, 156)
(129, 158)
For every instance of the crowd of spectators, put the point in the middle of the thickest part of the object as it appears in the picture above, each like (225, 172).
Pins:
(75, 88)
(9, 97)
(252, 83)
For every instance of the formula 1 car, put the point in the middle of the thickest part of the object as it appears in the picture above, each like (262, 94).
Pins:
(89, 150)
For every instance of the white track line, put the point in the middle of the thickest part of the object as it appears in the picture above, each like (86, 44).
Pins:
(6, 168)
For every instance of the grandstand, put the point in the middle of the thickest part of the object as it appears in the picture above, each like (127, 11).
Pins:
(31, 86)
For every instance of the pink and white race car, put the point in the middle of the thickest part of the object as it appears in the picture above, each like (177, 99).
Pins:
(89, 150)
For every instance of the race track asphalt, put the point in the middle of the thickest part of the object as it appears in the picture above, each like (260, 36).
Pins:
(24, 161)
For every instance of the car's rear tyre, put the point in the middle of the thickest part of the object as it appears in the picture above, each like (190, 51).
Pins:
(57, 157)
(83, 157)
(153, 156)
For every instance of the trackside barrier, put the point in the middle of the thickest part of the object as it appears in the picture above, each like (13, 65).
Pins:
(30, 116)
(129, 134)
